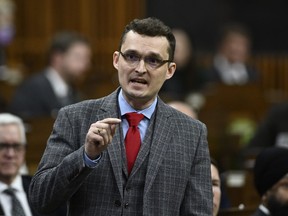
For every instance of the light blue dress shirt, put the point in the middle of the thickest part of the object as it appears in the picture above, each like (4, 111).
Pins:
(126, 108)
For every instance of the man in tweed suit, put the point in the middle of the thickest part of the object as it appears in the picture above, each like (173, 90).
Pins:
(85, 160)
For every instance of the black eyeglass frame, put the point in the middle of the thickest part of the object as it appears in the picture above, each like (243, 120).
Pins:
(161, 62)
(17, 147)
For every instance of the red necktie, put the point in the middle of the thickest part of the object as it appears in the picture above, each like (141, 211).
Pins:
(132, 139)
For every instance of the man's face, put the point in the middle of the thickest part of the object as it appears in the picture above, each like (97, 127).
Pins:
(75, 61)
(277, 198)
(216, 189)
(140, 83)
(12, 152)
(236, 48)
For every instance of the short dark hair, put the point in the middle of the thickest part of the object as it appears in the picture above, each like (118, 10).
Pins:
(151, 27)
(63, 41)
(233, 28)
(214, 162)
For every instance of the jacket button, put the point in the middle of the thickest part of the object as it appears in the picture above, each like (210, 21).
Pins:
(126, 205)
(117, 203)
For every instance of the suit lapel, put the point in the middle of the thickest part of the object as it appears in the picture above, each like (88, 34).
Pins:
(159, 144)
(109, 109)
(114, 151)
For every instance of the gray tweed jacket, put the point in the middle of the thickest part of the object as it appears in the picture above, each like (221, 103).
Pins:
(171, 175)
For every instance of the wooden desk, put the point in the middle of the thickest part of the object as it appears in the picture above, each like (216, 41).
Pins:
(247, 211)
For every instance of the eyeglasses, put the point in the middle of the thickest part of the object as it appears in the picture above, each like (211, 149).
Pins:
(16, 147)
(151, 62)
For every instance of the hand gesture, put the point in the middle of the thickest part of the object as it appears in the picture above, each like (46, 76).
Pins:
(99, 136)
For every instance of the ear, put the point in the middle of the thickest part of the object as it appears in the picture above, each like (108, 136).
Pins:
(115, 59)
(265, 197)
(171, 70)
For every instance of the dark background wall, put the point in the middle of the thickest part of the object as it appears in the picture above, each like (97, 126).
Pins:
(267, 20)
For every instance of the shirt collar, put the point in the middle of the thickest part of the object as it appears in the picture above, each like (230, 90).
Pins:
(264, 209)
(59, 86)
(126, 108)
(16, 184)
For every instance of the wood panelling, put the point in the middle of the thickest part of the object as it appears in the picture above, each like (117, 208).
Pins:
(101, 21)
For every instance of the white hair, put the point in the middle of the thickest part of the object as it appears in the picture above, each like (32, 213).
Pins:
(7, 118)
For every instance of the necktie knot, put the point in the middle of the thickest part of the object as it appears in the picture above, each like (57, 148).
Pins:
(9, 191)
(134, 118)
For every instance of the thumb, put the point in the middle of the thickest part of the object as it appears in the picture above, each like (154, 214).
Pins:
(113, 129)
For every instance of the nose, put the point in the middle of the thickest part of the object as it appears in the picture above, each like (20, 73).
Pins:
(141, 67)
(10, 152)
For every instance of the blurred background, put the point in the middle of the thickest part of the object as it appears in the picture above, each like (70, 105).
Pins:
(232, 113)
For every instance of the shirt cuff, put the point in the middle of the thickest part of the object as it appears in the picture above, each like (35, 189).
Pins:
(91, 163)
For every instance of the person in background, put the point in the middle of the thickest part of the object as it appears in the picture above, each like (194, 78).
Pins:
(45, 93)
(124, 154)
(273, 130)
(183, 107)
(271, 181)
(12, 151)
(216, 184)
(230, 64)
(14, 186)
(186, 78)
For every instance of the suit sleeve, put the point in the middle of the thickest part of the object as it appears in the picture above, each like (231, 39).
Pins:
(198, 199)
(266, 133)
(61, 170)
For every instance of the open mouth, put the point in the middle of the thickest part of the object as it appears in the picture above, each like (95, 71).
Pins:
(140, 81)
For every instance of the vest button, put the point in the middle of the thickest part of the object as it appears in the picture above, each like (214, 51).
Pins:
(117, 203)
(126, 205)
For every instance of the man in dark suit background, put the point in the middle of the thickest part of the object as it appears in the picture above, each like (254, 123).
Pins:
(85, 162)
(271, 180)
(45, 93)
(230, 63)
(12, 157)
(273, 130)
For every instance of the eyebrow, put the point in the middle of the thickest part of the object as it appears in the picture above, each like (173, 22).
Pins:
(216, 181)
(150, 54)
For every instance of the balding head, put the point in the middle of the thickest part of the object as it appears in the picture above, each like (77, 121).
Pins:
(184, 108)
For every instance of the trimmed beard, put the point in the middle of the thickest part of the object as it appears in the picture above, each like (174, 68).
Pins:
(276, 207)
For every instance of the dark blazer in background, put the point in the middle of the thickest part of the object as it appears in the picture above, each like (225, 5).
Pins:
(273, 130)
(259, 213)
(213, 75)
(171, 175)
(35, 97)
